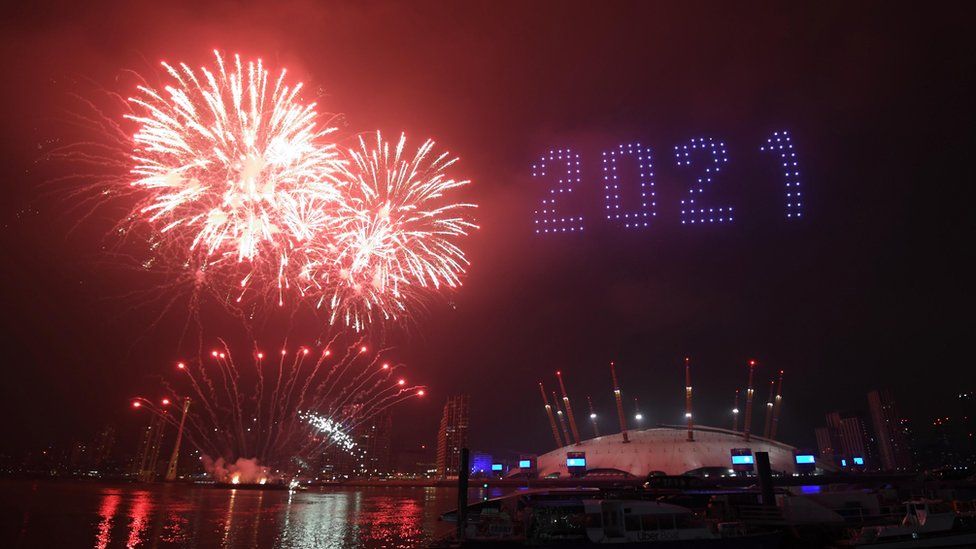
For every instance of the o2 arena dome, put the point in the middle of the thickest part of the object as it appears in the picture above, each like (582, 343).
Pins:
(666, 449)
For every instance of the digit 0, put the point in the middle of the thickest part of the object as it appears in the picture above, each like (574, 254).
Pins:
(646, 207)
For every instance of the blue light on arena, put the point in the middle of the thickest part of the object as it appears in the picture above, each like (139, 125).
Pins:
(575, 462)
(858, 461)
(805, 459)
(480, 463)
(742, 460)
(497, 467)
(525, 464)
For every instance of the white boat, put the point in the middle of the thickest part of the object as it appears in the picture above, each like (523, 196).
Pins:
(625, 521)
(927, 523)
(554, 517)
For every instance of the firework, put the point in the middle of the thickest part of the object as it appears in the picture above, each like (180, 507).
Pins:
(292, 406)
(395, 238)
(244, 192)
(234, 171)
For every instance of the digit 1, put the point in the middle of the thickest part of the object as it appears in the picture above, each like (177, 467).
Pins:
(693, 211)
(564, 165)
(781, 142)
(647, 207)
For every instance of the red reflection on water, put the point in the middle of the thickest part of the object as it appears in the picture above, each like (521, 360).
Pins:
(257, 521)
(139, 517)
(393, 518)
(26, 521)
(106, 511)
(229, 520)
(175, 528)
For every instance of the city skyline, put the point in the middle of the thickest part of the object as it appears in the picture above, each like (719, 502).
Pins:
(851, 440)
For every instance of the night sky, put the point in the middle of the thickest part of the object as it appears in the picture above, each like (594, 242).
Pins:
(868, 290)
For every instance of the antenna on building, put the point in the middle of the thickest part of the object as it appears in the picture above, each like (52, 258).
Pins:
(596, 429)
(620, 404)
(749, 394)
(735, 411)
(768, 422)
(569, 408)
(777, 405)
(691, 432)
(552, 419)
(562, 418)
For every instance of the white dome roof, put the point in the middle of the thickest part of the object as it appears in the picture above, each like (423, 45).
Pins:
(667, 449)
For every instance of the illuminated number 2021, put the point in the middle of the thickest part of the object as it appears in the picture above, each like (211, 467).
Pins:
(704, 157)
(780, 142)
(646, 207)
(693, 210)
(564, 166)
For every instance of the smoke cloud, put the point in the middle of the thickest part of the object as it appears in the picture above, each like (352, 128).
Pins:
(242, 471)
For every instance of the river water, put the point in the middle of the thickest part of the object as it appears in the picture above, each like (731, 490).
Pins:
(66, 514)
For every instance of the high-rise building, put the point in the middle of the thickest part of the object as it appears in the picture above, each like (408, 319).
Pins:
(417, 459)
(79, 457)
(368, 456)
(855, 441)
(846, 436)
(373, 436)
(826, 444)
(452, 435)
(964, 418)
(893, 446)
(102, 448)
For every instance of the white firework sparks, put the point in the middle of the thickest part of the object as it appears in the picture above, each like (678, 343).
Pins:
(396, 236)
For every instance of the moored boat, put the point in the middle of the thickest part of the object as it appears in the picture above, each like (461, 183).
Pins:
(586, 516)
(927, 523)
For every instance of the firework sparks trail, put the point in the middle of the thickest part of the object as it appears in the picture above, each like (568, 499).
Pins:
(241, 188)
(395, 235)
(285, 422)
(233, 171)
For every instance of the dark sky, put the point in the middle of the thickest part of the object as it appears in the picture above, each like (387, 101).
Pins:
(869, 290)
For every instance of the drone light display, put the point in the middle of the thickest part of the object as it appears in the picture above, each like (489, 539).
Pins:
(647, 206)
(699, 161)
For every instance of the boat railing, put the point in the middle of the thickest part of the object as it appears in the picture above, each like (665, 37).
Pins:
(760, 514)
(858, 515)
